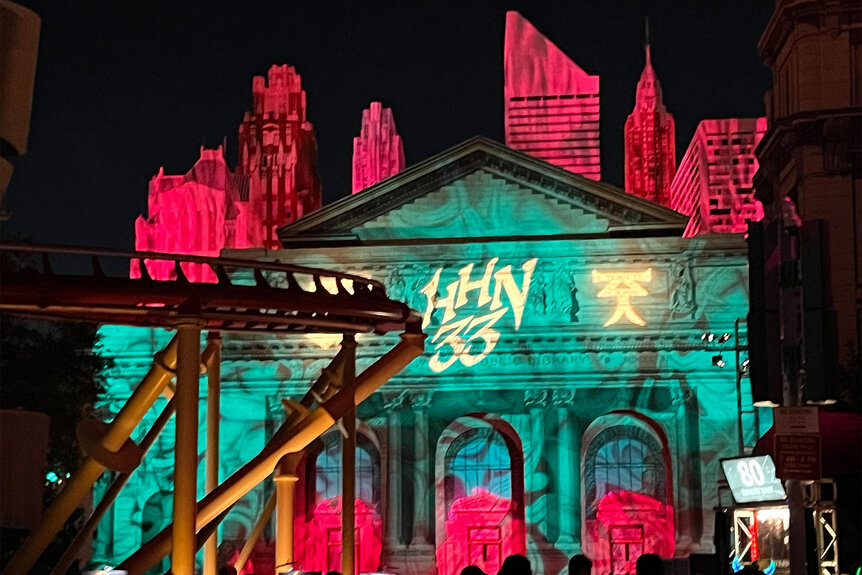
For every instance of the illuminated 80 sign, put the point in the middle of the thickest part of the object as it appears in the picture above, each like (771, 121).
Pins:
(752, 479)
(750, 472)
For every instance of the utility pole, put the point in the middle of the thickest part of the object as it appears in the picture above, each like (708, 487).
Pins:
(792, 352)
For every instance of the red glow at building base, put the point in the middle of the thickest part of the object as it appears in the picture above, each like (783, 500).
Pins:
(480, 531)
(318, 542)
(627, 525)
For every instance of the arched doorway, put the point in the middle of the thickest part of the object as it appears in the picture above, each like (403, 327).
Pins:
(318, 542)
(480, 495)
(627, 500)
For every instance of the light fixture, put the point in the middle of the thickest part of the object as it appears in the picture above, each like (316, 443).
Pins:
(723, 338)
(743, 367)
(708, 337)
(718, 361)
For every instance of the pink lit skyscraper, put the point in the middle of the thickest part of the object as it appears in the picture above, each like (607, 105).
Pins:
(650, 141)
(278, 151)
(551, 105)
(377, 152)
(713, 184)
(199, 213)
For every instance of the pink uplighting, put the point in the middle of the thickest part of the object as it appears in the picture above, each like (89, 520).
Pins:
(627, 525)
(480, 530)
(318, 542)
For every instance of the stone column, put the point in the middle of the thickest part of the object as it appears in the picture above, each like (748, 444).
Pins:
(393, 406)
(568, 471)
(536, 480)
(423, 476)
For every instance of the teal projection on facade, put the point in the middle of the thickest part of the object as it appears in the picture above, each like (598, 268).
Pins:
(563, 315)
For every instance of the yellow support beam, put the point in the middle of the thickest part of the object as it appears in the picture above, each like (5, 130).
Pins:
(186, 448)
(212, 448)
(285, 490)
(348, 466)
(114, 440)
(286, 440)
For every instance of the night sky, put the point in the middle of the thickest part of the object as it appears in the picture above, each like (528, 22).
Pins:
(125, 87)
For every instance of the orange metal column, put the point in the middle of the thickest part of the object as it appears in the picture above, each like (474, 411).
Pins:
(348, 465)
(286, 440)
(114, 446)
(285, 484)
(213, 368)
(186, 449)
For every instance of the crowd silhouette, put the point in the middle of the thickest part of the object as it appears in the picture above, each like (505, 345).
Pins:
(647, 564)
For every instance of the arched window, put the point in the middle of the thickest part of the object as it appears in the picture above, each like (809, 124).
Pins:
(478, 459)
(482, 492)
(327, 470)
(623, 458)
(319, 544)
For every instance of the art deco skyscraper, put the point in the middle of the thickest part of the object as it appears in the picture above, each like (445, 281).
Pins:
(713, 184)
(377, 152)
(551, 105)
(650, 141)
(278, 151)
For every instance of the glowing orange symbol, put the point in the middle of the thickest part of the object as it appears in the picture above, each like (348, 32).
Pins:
(623, 286)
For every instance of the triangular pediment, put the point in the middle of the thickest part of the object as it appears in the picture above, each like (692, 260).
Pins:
(481, 189)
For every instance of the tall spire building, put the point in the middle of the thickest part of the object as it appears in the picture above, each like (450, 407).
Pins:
(278, 151)
(650, 141)
(377, 152)
(551, 104)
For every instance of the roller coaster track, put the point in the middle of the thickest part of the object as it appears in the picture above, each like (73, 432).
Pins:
(247, 296)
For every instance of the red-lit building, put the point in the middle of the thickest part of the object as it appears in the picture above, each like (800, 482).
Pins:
(210, 208)
(377, 152)
(713, 184)
(278, 152)
(551, 104)
(201, 213)
(650, 141)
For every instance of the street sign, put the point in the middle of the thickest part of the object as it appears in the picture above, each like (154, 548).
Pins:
(752, 479)
(796, 420)
(797, 456)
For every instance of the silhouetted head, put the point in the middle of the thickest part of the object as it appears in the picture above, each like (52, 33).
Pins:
(472, 570)
(649, 564)
(580, 565)
(516, 565)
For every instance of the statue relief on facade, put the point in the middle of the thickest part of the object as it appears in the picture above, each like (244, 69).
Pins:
(681, 289)
(395, 285)
(564, 298)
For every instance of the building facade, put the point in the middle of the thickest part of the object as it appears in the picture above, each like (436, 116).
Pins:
(650, 141)
(551, 104)
(377, 152)
(278, 153)
(812, 153)
(714, 182)
(201, 213)
(566, 401)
